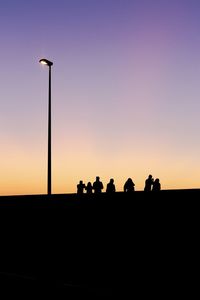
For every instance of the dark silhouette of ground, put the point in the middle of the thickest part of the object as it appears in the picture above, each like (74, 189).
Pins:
(99, 246)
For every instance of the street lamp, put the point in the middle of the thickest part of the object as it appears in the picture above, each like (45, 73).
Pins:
(49, 64)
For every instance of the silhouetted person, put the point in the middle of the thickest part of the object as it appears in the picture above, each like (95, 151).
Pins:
(97, 186)
(88, 188)
(110, 187)
(156, 185)
(148, 183)
(80, 187)
(129, 186)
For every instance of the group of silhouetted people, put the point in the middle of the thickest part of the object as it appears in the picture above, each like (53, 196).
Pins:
(129, 186)
(151, 184)
(97, 187)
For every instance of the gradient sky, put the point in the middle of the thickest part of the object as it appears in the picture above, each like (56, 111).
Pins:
(125, 93)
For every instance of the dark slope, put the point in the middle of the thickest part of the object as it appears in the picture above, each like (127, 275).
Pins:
(139, 244)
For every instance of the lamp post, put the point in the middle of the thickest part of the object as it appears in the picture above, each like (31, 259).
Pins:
(49, 64)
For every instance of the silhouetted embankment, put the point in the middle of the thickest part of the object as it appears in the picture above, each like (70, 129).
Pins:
(124, 243)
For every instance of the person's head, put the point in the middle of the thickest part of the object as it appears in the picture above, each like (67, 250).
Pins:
(97, 178)
(111, 180)
(150, 176)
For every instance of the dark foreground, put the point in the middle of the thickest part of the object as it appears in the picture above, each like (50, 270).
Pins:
(101, 247)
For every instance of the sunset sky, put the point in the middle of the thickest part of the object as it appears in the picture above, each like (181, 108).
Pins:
(125, 93)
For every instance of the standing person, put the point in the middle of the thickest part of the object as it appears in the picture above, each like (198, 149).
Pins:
(148, 183)
(80, 187)
(156, 185)
(97, 186)
(88, 188)
(129, 186)
(110, 187)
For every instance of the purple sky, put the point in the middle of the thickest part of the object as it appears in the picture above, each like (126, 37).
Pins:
(125, 93)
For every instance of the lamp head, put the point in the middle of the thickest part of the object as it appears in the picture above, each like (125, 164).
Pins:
(45, 61)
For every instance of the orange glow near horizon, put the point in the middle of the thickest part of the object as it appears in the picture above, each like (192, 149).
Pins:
(26, 173)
